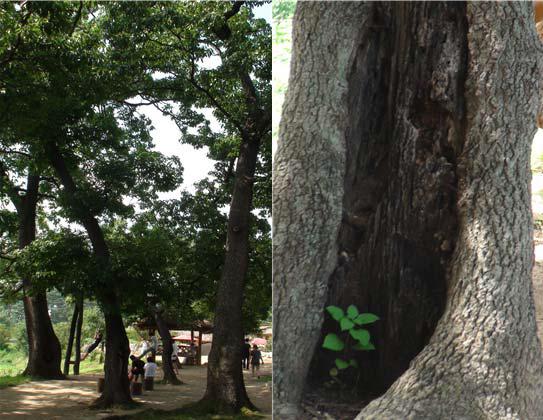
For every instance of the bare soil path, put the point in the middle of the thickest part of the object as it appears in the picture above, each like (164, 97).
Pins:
(69, 399)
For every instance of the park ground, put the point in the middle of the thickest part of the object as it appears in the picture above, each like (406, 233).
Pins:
(70, 399)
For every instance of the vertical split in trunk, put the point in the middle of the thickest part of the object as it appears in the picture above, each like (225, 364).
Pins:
(399, 227)
(485, 358)
(44, 353)
(225, 386)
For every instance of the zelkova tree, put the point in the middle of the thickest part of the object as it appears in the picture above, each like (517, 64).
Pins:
(402, 183)
(237, 89)
(66, 90)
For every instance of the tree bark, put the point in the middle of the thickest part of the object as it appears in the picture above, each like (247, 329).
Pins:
(44, 352)
(484, 359)
(387, 145)
(117, 387)
(169, 375)
(225, 386)
(308, 178)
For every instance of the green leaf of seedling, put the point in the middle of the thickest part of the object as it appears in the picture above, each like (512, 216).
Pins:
(336, 312)
(346, 324)
(352, 311)
(353, 363)
(342, 364)
(368, 346)
(333, 372)
(361, 335)
(366, 319)
(333, 342)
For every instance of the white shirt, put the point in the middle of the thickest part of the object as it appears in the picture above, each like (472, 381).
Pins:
(175, 350)
(150, 369)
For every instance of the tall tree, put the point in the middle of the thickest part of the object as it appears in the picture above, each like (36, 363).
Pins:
(238, 92)
(404, 126)
(44, 353)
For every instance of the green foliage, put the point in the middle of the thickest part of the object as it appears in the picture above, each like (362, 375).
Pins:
(349, 322)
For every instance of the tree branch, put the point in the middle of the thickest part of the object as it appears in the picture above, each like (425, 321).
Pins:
(10, 188)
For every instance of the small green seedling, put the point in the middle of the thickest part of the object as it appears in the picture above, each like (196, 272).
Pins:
(350, 324)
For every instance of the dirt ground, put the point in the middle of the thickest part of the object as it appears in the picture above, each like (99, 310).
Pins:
(69, 399)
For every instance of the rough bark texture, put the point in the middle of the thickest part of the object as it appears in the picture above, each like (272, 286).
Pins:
(484, 360)
(116, 387)
(308, 176)
(225, 386)
(44, 353)
(169, 375)
(401, 183)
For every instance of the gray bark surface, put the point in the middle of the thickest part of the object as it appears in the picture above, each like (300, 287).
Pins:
(401, 181)
(308, 174)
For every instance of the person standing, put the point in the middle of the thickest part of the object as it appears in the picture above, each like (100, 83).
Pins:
(256, 358)
(137, 368)
(150, 368)
(245, 354)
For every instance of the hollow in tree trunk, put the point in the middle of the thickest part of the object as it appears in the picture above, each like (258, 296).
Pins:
(405, 141)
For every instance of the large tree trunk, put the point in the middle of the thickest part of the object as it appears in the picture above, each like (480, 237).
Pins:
(225, 386)
(308, 179)
(397, 170)
(169, 375)
(484, 359)
(117, 387)
(44, 352)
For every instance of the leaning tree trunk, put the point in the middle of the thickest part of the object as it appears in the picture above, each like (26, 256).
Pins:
(44, 352)
(169, 375)
(225, 386)
(397, 169)
(116, 384)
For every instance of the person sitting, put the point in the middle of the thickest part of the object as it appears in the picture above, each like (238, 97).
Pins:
(137, 369)
(97, 340)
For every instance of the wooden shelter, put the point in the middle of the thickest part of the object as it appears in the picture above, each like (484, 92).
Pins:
(201, 327)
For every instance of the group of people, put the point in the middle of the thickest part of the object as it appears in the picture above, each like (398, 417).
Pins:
(140, 369)
(251, 357)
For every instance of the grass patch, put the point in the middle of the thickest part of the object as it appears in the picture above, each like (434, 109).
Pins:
(12, 363)
(264, 378)
(7, 381)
